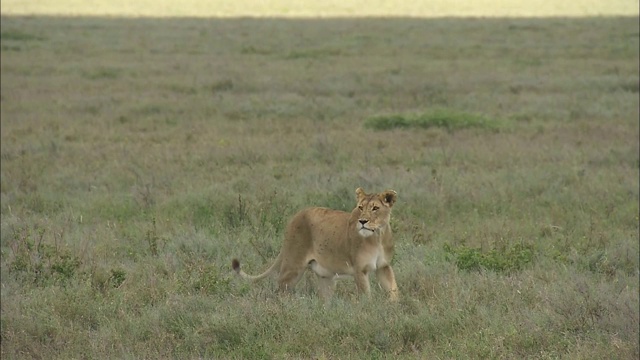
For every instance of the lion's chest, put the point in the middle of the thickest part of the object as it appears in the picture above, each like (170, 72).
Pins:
(373, 258)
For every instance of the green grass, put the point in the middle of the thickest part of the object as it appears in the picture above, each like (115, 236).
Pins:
(500, 260)
(440, 118)
(139, 156)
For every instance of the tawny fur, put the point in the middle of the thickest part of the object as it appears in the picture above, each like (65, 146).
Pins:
(336, 244)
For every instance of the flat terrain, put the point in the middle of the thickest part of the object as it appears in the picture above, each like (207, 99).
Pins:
(139, 156)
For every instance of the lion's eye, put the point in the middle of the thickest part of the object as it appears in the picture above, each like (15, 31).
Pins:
(360, 207)
(375, 208)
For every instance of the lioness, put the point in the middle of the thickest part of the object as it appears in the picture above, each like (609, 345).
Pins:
(335, 244)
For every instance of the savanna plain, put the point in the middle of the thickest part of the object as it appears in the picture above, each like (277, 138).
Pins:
(139, 156)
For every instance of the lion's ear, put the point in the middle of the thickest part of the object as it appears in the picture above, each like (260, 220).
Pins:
(360, 193)
(389, 197)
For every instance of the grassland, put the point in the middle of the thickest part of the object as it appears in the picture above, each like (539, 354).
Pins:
(140, 155)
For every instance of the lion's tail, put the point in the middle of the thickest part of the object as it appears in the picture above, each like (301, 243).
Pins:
(235, 264)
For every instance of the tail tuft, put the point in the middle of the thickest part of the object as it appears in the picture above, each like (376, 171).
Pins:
(235, 264)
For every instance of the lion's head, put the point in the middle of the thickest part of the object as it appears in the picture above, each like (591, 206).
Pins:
(373, 211)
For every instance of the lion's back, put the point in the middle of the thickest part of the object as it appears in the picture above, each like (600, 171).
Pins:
(316, 223)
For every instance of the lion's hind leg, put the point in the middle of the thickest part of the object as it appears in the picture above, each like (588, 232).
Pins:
(290, 273)
(326, 280)
(288, 280)
(326, 287)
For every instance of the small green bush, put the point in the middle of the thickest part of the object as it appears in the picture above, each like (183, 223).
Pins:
(39, 261)
(65, 265)
(502, 260)
(389, 122)
(19, 36)
(118, 276)
(440, 118)
(102, 73)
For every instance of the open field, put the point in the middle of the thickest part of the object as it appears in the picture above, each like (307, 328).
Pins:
(140, 155)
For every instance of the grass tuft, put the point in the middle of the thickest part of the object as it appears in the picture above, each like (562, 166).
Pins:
(442, 118)
(36, 258)
(103, 73)
(16, 35)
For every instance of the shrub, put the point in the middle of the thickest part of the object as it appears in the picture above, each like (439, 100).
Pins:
(504, 260)
(39, 261)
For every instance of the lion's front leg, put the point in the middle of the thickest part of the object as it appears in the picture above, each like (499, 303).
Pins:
(387, 280)
(362, 283)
